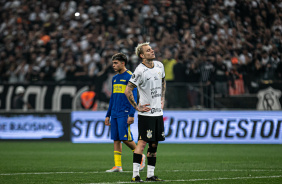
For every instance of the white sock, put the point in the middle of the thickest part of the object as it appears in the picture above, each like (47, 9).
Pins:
(150, 171)
(136, 167)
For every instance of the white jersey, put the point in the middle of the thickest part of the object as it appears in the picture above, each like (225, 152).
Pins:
(149, 85)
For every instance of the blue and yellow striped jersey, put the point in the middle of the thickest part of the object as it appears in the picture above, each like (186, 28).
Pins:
(119, 105)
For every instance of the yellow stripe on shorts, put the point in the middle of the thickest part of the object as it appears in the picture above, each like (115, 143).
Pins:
(129, 133)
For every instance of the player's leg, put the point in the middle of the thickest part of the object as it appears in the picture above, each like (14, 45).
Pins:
(120, 133)
(117, 147)
(117, 157)
(143, 126)
(132, 146)
(125, 134)
(152, 158)
(137, 158)
(152, 148)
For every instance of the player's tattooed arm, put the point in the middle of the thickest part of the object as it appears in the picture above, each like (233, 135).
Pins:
(163, 92)
(128, 92)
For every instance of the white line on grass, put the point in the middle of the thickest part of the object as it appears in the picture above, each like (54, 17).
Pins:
(210, 179)
(43, 173)
(231, 170)
(99, 172)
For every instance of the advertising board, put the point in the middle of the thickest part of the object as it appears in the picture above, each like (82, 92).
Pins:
(35, 126)
(209, 127)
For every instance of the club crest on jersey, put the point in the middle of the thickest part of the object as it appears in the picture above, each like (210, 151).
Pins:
(149, 134)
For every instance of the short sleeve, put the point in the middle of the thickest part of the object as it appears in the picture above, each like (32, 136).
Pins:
(163, 71)
(136, 77)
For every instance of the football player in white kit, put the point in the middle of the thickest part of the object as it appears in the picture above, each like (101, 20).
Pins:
(149, 78)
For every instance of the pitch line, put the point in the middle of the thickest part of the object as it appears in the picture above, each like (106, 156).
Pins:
(43, 173)
(99, 172)
(211, 179)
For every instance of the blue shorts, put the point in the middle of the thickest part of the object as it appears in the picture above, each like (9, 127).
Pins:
(120, 130)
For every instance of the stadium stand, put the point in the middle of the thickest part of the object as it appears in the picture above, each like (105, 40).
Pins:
(73, 40)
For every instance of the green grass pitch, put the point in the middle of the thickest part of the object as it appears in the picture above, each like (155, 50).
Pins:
(64, 162)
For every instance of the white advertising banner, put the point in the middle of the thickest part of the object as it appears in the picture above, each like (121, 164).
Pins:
(30, 127)
(211, 127)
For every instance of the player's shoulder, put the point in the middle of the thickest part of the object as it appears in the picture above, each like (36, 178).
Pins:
(115, 76)
(158, 64)
(139, 68)
(129, 72)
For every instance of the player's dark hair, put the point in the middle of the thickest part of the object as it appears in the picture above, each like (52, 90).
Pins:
(120, 57)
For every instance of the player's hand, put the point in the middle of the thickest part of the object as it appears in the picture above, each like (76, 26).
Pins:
(107, 121)
(130, 120)
(143, 108)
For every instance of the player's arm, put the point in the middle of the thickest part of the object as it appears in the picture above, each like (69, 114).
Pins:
(163, 92)
(130, 118)
(129, 94)
(132, 109)
(107, 119)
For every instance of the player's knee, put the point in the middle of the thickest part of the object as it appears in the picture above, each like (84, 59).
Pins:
(152, 150)
(142, 143)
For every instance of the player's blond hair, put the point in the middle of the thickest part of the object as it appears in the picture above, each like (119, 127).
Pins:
(139, 50)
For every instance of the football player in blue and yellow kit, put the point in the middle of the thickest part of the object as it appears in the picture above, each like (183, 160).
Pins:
(121, 112)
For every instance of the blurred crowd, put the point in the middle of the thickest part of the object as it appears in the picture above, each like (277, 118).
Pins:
(229, 44)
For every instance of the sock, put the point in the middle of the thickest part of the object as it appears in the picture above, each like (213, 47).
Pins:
(136, 164)
(151, 166)
(117, 158)
(150, 171)
(136, 167)
(152, 161)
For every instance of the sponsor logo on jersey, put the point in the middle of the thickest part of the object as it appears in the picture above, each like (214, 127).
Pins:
(119, 88)
(153, 110)
(122, 80)
(155, 94)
